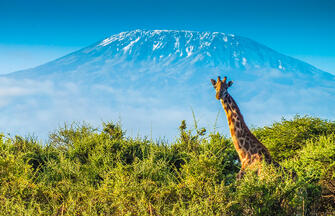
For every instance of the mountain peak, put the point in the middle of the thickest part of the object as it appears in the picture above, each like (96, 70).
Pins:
(177, 49)
(215, 49)
(173, 46)
(161, 34)
(156, 75)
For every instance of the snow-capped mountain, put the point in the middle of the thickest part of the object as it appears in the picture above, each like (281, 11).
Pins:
(153, 79)
(166, 48)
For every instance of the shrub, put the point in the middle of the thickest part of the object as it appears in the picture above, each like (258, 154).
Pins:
(284, 138)
(83, 170)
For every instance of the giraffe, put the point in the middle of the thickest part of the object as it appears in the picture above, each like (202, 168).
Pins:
(250, 150)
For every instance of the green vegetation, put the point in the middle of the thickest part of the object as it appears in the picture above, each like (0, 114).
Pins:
(87, 171)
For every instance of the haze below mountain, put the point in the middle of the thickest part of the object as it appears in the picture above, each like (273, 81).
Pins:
(151, 80)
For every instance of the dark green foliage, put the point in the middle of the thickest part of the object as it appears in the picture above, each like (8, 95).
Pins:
(88, 171)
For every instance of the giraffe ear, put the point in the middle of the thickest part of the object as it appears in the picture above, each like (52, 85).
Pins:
(230, 83)
(213, 82)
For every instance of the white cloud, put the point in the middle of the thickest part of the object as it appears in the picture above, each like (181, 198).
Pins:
(39, 107)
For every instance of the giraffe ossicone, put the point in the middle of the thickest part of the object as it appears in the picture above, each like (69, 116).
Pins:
(250, 150)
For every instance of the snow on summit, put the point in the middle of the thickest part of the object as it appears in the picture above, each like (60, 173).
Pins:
(157, 44)
(216, 49)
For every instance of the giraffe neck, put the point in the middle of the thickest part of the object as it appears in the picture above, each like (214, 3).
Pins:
(244, 141)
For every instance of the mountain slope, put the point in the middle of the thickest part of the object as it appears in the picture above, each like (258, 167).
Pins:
(152, 79)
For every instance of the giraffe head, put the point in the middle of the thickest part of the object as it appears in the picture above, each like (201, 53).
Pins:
(221, 87)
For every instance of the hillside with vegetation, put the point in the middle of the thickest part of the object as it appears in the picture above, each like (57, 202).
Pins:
(83, 170)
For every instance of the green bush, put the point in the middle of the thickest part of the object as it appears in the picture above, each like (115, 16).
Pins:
(83, 170)
(284, 138)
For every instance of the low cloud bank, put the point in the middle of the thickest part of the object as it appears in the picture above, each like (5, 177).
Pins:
(39, 107)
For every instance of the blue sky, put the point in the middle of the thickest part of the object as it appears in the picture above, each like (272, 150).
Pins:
(36, 31)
